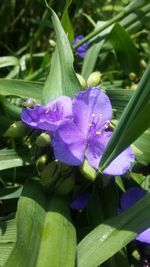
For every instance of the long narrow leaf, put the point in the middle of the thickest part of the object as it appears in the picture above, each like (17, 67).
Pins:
(63, 59)
(9, 158)
(133, 122)
(21, 88)
(108, 238)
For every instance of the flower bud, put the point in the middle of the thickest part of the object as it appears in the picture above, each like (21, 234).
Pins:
(41, 162)
(50, 174)
(94, 78)
(65, 186)
(143, 64)
(43, 139)
(17, 129)
(52, 43)
(132, 76)
(81, 81)
(133, 87)
(88, 171)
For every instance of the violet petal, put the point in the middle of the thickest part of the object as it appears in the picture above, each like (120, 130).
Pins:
(91, 106)
(69, 143)
(48, 117)
(95, 149)
(81, 50)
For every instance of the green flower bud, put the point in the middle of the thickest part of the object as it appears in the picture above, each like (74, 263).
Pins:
(40, 163)
(81, 81)
(88, 171)
(52, 43)
(50, 174)
(133, 87)
(143, 64)
(43, 140)
(94, 78)
(17, 129)
(65, 186)
(132, 76)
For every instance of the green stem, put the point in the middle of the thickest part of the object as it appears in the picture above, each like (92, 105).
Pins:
(129, 9)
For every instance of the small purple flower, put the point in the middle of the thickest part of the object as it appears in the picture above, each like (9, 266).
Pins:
(48, 117)
(128, 199)
(87, 134)
(81, 50)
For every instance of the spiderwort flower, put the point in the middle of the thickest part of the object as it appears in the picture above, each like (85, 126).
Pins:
(128, 199)
(48, 117)
(81, 50)
(87, 134)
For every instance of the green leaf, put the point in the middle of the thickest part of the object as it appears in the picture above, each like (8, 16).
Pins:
(108, 238)
(93, 52)
(45, 236)
(134, 7)
(119, 259)
(62, 79)
(9, 158)
(125, 49)
(133, 122)
(66, 23)
(119, 99)
(10, 193)
(142, 148)
(8, 61)
(131, 23)
(7, 237)
(119, 182)
(21, 88)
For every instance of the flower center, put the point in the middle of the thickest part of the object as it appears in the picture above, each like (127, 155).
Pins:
(54, 111)
(95, 125)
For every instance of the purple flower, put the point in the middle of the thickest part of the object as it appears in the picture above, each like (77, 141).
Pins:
(128, 199)
(81, 50)
(87, 134)
(48, 117)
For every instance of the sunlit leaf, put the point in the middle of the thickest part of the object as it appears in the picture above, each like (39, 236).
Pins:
(108, 238)
(62, 79)
(133, 122)
(45, 235)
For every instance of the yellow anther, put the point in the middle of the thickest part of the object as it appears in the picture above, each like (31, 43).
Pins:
(93, 115)
(98, 132)
(90, 124)
(106, 126)
(108, 121)
(101, 115)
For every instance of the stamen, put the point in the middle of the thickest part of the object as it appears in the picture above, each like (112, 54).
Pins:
(48, 108)
(98, 132)
(90, 124)
(106, 126)
(93, 115)
(101, 115)
(108, 121)
(54, 102)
